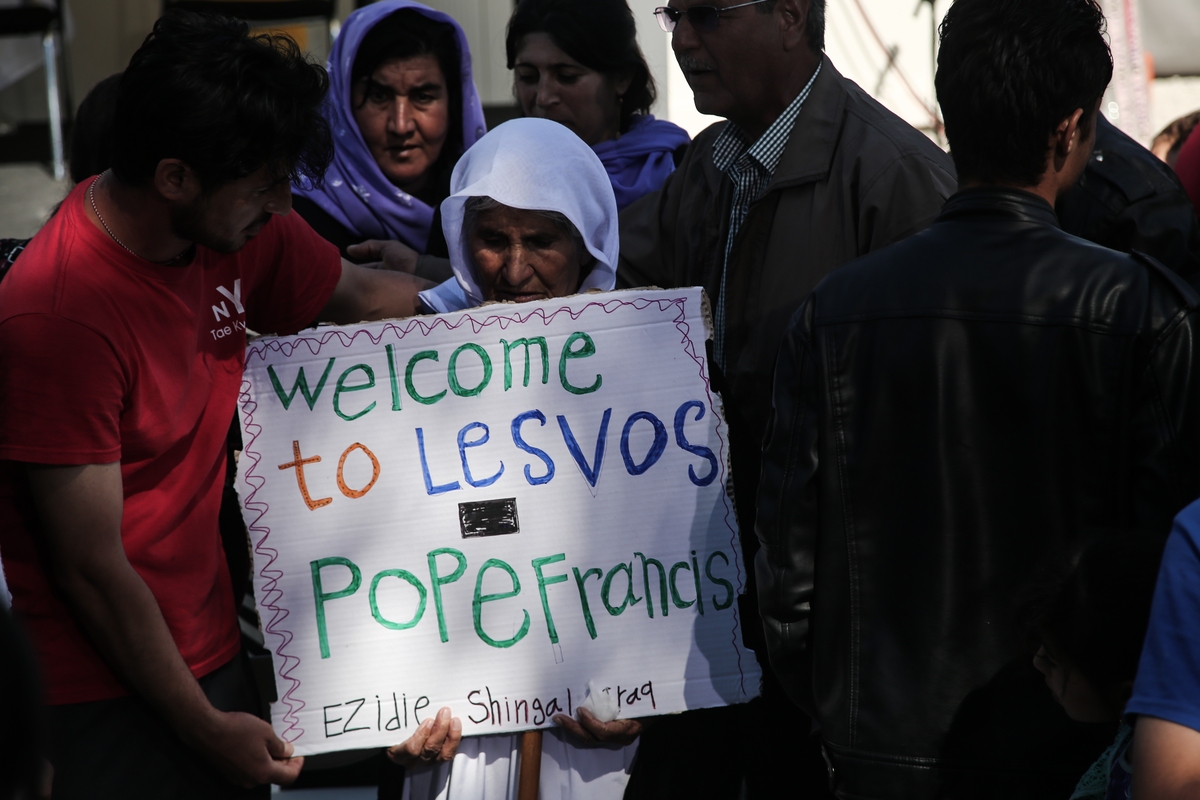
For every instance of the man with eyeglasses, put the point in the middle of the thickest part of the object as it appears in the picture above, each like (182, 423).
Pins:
(808, 173)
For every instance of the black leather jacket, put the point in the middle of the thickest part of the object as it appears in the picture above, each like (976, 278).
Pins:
(947, 411)
(1128, 199)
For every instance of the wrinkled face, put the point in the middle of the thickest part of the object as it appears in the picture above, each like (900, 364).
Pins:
(729, 69)
(1074, 692)
(403, 112)
(552, 85)
(520, 256)
(231, 215)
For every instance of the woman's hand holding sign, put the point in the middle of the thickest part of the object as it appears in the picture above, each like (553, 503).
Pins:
(589, 729)
(435, 740)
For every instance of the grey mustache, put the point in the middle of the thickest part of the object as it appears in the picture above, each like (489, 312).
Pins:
(688, 63)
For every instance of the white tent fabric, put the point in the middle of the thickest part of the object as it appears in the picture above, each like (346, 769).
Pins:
(1171, 34)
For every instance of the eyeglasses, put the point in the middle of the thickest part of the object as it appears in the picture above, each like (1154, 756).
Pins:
(703, 18)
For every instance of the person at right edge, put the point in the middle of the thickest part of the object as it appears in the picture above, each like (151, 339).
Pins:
(1128, 199)
(952, 410)
(808, 173)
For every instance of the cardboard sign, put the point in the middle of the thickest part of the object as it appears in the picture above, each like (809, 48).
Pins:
(488, 510)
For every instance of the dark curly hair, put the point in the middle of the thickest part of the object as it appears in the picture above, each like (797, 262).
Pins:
(92, 133)
(600, 34)
(203, 90)
(1009, 71)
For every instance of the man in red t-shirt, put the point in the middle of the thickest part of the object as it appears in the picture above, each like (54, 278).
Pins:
(122, 338)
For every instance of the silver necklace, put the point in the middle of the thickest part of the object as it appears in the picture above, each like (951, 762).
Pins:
(113, 236)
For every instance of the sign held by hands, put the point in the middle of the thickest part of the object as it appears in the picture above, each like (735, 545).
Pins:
(488, 510)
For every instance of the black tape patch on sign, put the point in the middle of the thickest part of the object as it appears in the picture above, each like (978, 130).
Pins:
(489, 518)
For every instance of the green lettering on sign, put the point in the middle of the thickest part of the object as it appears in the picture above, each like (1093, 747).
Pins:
(543, 582)
(588, 348)
(540, 341)
(438, 581)
(662, 582)
(481, 598)
(431, 355)
(391, 359)
(728, 586)
(452, 370)
(675, 596)
(357, 387)
(301, 384)
(320, 596)
(403, 575)
(583, 598)
(630, 598)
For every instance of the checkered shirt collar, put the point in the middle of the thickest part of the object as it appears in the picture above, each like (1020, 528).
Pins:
(768, 150)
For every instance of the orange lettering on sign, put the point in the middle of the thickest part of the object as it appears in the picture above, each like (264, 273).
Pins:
(346, 490)
(299, 463)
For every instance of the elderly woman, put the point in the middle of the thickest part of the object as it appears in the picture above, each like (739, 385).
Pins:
(579, 64)
(531, 216)
(403, 108)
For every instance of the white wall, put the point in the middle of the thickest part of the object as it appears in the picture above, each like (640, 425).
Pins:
(851, 44)
(484, 22)
(105, 33)
(108, 31)
(848, 42)
(906, 25)
(858, 37)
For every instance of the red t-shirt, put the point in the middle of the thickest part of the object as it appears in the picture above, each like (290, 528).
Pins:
(105, 357)
(1187, 167)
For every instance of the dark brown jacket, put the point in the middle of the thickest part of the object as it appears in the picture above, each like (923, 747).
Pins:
(853, 178)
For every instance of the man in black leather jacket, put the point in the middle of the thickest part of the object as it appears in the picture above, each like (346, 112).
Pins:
(1128, 199)
(953, 408)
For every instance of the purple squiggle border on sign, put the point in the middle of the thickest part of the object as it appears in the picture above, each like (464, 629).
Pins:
(424, 325)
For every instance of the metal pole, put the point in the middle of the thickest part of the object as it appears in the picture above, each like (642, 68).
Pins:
(50, 56)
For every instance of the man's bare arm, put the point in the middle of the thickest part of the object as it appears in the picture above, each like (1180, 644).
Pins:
(365, 294)
(1166, 760)
(400, 257)
(80, 509)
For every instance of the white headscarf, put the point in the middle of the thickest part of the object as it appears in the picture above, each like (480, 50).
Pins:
(531, 164)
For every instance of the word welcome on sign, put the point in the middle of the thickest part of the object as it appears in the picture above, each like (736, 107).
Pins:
(487, 510)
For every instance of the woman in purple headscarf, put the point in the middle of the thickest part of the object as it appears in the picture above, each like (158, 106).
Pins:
(579, 64)
(403, 107)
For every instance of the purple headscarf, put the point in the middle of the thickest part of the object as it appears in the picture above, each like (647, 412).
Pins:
(641, 159)
(355, 192)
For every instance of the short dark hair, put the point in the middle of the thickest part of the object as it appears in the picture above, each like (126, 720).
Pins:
(1176, 135)
(406, 34)
(1092, 607)
(814, 23)
(92, 131)
(203, 90)
(1009, 71)
(600, 34)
